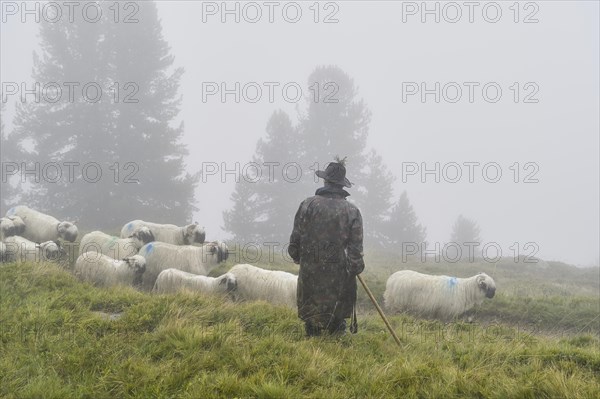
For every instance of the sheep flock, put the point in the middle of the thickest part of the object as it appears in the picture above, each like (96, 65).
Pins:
(166, 259)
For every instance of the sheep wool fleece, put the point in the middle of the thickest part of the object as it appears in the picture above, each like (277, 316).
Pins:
(327, 242)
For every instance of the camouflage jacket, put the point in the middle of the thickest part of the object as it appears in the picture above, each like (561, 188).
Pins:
(327, 242)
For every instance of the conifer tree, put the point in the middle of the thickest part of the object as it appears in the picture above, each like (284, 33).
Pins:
(375, 198)
(402, 227)
(334, 122)
(465, 230)
(129, 133)
(465, 239)
(9, 156)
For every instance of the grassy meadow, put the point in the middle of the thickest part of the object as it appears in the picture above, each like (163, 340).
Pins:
(60, 338)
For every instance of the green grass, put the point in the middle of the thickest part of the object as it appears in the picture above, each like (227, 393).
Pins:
(56, 342)
(556, 300)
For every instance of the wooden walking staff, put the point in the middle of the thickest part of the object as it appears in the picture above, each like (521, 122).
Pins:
(385, 320)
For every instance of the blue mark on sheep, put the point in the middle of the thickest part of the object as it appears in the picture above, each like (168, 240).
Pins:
(149, 248)
(11, 211)
(129, 226)
(452, 282)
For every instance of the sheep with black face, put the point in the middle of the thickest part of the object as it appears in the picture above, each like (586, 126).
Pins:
(102, 270)
(19, 249)
(40, 227)
(440, 297)
(169, 233)
(171, 281)
(274, 286)
(188, 258)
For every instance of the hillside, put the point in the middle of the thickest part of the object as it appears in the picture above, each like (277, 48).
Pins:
(60, 338)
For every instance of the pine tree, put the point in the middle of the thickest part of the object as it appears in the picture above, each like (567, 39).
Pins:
(466, 236)
(9, 154)
(337, 123)
(128, 132)
(334, 123)
(241, 219)
(465, 230)
(402, 226)
(375, 197)
(280, 187)
(266, 197)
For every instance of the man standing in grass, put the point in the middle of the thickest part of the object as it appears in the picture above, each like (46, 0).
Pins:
(327, 242)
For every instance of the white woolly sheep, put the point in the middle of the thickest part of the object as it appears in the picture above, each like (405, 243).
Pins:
(169, 233)
(40, 227)
(188, 258)
(274, 286)
(19, 249)
(7, 228)
(171, 281)
(102, 270)
(436, 296)
(115, 247)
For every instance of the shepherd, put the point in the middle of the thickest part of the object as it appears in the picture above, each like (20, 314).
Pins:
(327, 243)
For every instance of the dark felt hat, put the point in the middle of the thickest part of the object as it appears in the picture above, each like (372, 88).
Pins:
(335, 173)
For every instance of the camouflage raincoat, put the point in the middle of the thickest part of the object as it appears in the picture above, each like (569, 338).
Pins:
(327, 242)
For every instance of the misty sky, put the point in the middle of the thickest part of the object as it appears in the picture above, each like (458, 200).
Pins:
(558, 57)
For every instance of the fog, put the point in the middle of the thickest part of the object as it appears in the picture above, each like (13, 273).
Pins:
(553, 127)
